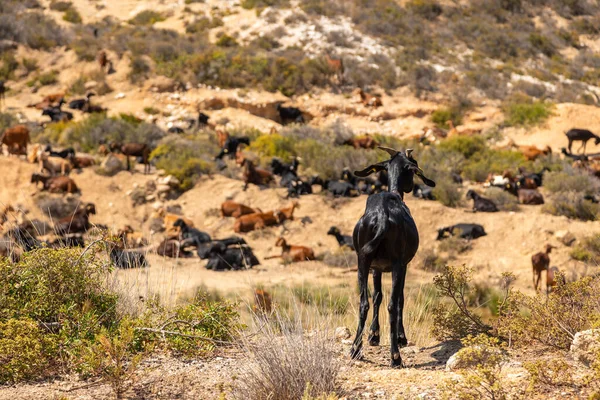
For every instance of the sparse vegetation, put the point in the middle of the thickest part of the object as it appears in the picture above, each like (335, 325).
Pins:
(72, 15)
(147, 17)
(588, 250)
(524, 111)
(572, 205)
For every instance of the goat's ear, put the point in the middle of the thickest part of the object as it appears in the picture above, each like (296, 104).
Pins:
(371, 169)
(419, 172)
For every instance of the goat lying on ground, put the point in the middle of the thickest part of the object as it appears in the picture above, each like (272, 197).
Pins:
(481, 203)
(464, 231)
(66, 153)
(423, 192)
(343, 240)
(191, 236)
(254, 175)
(236, 258)
(367, 99)
(287, 172)
(126, 259)
(79, 222)
(55, 184)
(386, 240)
(232, 209)
(250, 222)
(291, 253)
(219, 246)
(540, 262)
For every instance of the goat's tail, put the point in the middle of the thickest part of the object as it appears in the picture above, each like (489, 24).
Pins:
(381, 228)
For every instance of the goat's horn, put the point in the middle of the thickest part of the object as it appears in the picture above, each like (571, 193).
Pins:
(408, 152)
(390, 151)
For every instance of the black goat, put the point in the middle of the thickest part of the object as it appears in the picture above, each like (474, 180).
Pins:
(191, 236)
(75, 240)
(2, 93)
(423, 192)
(340, 188)
(231, 145)
(581, 135)
(343, 240)
(125, 259)
(236, 258)
(386, 240)
(218, 246)
(56, 114)
(66, 153)
(79, 104)
(481, 203)
(288, 172)
(203, 119)
(465, 231)
(290, 115)
(176, 130)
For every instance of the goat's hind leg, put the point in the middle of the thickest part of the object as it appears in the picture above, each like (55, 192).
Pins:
(402, 340)
(375, 335)
(363, 281)
(398, 272)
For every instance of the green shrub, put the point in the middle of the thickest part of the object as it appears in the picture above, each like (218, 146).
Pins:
(274, 145)
(203, 24)
(457, 321)
(30, 64)
(151, 110)
(588, 250)
(185, 159)
(428, 9)
(6, 121)
(146, 18)
(25, 351)
(61, 6)
(571, 180)
(542, 43)
(48, 78)
(465, 145)
(260, 4)
(572, 205)
(139, 70)
(447, 192)
(72, 16)
(441, 116)
(524, 111)
(8, 66)
(226, 41)
(504, 200)
(552, 321)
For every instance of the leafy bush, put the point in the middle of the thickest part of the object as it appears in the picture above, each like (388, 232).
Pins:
(72, 16)
(571, 180)
(588, 250)
(147, 17)
(139, 70)
(441, 116)
(553, 321)
(25, 351)
(572, 205)
(56, 206)
(504, 200)
(185, 159)
(226, 41)
(47, 78)
(29, 27)
(260, 4)
(61, 6)
(465, 145)
(6, 121)
(9, 65)
(458, 321)
(203, 24)
(30, 64)
(524, 111)
(428, 9)
(447, 193)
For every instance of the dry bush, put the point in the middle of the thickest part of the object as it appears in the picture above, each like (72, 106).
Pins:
(504, 200)
(572, 205)
(588, 250)
(342, 257)
(57, 206)
(287, 364)
(570, 308)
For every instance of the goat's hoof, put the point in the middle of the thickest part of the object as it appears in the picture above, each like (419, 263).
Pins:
(355, 353)
(373, 339)
(396, 361)
(402, 342)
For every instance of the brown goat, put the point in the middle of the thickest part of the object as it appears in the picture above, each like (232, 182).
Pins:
(367, 99)
(292, 253)
(134, 150)
(48, 101)
(17, 136)
(83, 162)
(77, 223)
(4, 211)
(222, 137)
(551, 279)
(250, 222)
(171, 248)
(287, 213)
(530, 196)
(263, 304)
(169, 219)
(540, 262)
(232, 209)
(54, 165)
(130, 238)
(531, 153)
(364, 142)
(336, 66)
(257, 176)
(55, 184)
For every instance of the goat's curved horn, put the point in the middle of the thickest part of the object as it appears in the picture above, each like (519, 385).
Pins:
(408, 152)
(390, 151)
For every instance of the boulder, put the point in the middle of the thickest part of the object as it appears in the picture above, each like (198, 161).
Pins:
(89, 85)
(586, 346)
(342, 332)
(169, 181)
(565, 237)
(112, 165)
(161, 84)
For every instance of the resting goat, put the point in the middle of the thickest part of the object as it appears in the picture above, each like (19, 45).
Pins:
(292, 253)
(66, 153)
(481, 203)
(232, 209)
(236, 258)
(465, 231)
(55, 184)
(290, 115)
(191, 236)
(125, 259)
(386, 240)
(343, 240)
(252, 174)
(78, 223)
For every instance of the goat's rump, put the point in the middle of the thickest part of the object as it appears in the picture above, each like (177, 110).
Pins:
(386, 232)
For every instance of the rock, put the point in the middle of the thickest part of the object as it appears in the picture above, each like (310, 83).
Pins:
(160, 84)
(90, 85)
(586, 346)
(170, 181)
(565, 237)
(120, 96)
(111, 165)
(212, 103)
(161, 188)
(342, 333)
(150, 187)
